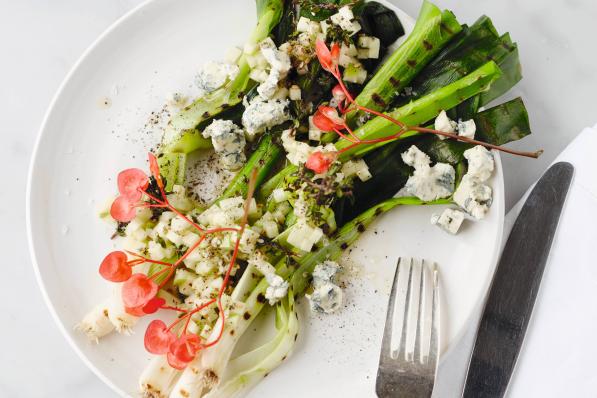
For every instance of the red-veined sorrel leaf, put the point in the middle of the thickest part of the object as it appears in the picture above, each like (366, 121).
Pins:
(185, 348)
(132, 183)
(138, 290)
(123, 209)
(338, 93)
(115, 268)
(153, 166)
(175, 362)
(320, 162)
(135, 311)
(327, 119)
(158, 338)
(153, 305)
(328, 59)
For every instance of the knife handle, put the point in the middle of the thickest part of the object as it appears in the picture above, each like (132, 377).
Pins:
(515, 285)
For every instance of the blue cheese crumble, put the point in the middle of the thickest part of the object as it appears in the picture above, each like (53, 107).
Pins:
(449, 220)
(327, 296)
(277, 289)
(444, 123)
(467, 128)
(463, 128)
(262, 114)
(472, 194)
(228, 141)
(214, 75)
(480, 162)
(298, 152)
(427, 182)
(279, 63)
(325, 271)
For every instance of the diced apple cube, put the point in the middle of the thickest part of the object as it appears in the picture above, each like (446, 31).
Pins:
(295, 92)
(233, 54)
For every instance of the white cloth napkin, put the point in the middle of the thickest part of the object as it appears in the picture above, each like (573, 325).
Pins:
(559, 355)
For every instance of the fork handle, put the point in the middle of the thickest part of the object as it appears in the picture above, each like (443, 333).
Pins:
(392, 384)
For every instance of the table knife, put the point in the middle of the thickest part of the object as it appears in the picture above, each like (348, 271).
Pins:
(515, 284)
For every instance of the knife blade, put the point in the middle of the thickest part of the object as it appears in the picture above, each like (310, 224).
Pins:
(515, 285)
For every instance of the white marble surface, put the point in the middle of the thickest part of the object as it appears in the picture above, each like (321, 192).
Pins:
(39, 42)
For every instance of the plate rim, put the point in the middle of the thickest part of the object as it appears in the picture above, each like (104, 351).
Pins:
(32, 167)
(32, 241)
(497, 250)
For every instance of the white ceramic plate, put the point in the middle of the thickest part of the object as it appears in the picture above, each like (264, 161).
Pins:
(95, 127)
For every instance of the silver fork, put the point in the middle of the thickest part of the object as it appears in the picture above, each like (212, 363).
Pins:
(410, 347)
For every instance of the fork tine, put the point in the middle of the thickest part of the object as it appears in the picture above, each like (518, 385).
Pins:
(409, 355)
(425, 315)
(393, 327)
(400, 318)
(421, 343)
(435, 320)
(411, 321)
